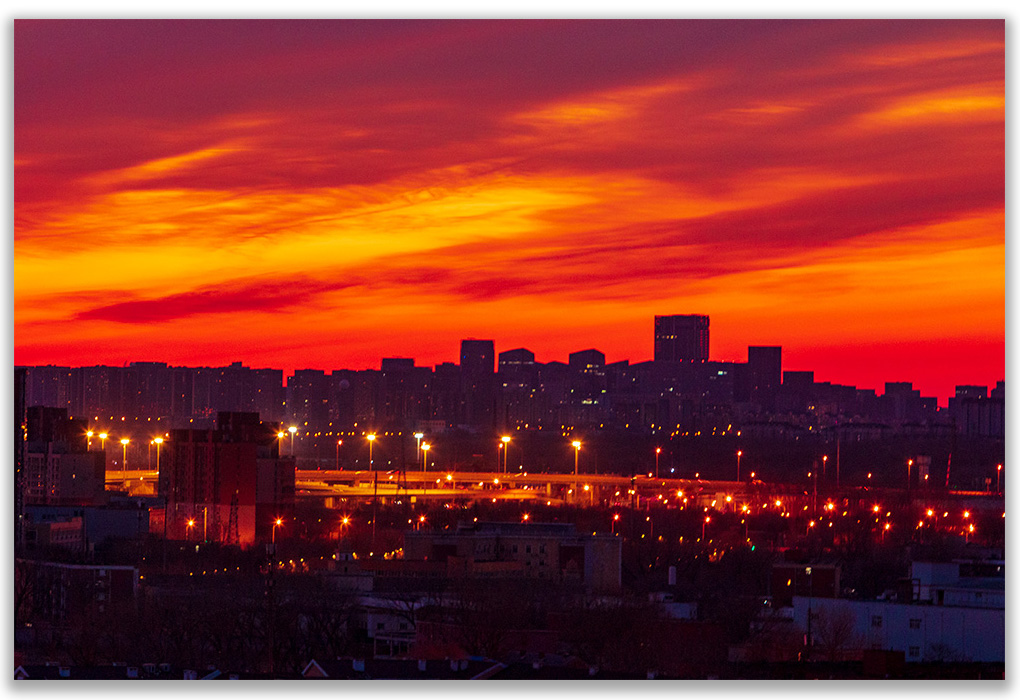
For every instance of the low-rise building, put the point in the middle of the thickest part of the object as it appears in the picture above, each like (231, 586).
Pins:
(548, 551)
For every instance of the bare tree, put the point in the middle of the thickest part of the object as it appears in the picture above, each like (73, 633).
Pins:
(834, 632)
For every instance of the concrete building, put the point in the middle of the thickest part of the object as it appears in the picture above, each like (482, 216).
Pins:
(229, 483)
(58, 466)
(681, 338)
(547, 551)
(949, 611)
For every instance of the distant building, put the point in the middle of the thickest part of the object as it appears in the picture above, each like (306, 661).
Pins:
(478, 384)
(949, 611)
(59, 591)
(230, 482)
(58, 467)
(765, 369)
(681, 338)
(548, 551)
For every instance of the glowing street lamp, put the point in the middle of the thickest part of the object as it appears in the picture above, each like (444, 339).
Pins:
(124, 442)
(506, 450)
(577, 452)
(89, 435)
(425, 447)
(910, 463)
(739, 454)
(102, 437)
(371, 440)
(998, 473)
(417, 450)
(658, 451)
(276, 523)
(159, 443)
(338, 443)
(707, 520)
(292, 430)
(191, 524)
(825, 460)
(616, 518)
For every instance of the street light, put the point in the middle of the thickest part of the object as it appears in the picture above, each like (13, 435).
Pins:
(191, 524)
(577, 452)
(159, 442)
(103, 436)
(708, 519)
(371, 439)
(425, 456)
(616, 518)
(739, 453)
(658, 451)
(124, 442)
(910, 463)
(292, 430)
(506, 450)
(825, 459)
(276, 523)
(998, 473)
(417, 451)
(89, 436)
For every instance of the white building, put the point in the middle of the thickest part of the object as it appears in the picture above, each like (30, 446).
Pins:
(957, 613)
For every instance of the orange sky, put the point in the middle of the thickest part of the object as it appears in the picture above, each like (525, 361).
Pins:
(323, 194)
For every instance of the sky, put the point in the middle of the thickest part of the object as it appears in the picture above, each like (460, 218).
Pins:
(322, 194)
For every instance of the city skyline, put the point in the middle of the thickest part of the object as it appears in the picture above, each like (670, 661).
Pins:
(325, 194)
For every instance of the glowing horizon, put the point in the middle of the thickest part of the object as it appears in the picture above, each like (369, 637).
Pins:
(323, 194)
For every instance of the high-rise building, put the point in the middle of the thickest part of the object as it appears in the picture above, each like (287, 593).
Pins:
(225, 485)
(478, 383)
(765, 370)
(681, 338)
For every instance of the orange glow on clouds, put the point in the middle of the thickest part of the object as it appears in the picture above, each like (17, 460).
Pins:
(838, 190)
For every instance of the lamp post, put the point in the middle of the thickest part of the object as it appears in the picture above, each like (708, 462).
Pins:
(292, 430)
(280, 436)
(616, 518)
(910, 463)
(825, 461)
(191, 524)
(159, 442)
(338, 443)
(577, 452)
(417, 451)
(658, 451)
(276, 523)
(708, 519)
(89, 436)
(124, 442)
(425, 456)
(371, 440)
(506, 451)
(998, 473)
(810, 591)
(739, 453)
(102, 437)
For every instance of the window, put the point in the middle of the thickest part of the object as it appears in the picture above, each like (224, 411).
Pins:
(914, 652)
(876, 620)
(527, 549)
(915, 623)
(541, 549)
